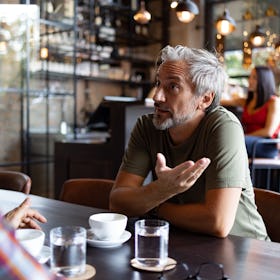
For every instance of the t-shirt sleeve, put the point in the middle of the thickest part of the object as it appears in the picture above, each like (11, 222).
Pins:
(229, 161)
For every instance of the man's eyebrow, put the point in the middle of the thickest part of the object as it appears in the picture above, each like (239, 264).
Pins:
(174, 77)
(171, 77)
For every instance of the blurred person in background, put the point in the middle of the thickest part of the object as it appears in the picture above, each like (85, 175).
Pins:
(261, 112)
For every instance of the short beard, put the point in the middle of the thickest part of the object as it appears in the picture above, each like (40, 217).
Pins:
(171, 122)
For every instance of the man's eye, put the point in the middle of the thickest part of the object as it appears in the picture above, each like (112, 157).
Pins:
(157, 84)
(174, 86)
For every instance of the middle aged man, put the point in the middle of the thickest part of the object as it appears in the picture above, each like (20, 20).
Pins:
(195, 150)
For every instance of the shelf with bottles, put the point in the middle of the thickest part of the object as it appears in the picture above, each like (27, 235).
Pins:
(58, 12)
(112, 23)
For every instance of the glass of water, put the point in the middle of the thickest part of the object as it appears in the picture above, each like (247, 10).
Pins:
(68, 250)
(151, 242)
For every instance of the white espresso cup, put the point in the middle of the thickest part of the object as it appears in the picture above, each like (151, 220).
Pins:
(108, 226)
(31, 239)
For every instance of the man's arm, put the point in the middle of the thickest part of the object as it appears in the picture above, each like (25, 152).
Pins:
(130, 197)
(215, 216)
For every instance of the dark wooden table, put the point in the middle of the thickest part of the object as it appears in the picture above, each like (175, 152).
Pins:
(243, 258)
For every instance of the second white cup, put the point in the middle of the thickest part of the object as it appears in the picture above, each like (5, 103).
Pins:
(108, 226)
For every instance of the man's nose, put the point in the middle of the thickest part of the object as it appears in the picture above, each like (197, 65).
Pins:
(159, 95)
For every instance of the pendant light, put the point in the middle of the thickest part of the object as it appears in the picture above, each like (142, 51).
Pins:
(257, 37)
(225, 24)
(44, 53)
(142, 16)
(173, 4)
(247, 15)
(186, 10)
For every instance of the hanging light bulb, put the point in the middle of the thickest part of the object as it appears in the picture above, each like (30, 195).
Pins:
(225, 24)
(142, 16)
(257, 37)
(44, 53)
(173, 4)
(186, 10)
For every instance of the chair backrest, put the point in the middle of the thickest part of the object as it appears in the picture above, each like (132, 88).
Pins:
(15, 181)
(268, 203)
(87, 191)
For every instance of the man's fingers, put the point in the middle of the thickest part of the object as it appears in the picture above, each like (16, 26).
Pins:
(161, 162)
(29, 223)
(197, 169)
(34, 214)
(25, 204)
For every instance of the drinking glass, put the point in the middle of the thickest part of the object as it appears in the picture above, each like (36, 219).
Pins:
(68, 250)
(151, 242)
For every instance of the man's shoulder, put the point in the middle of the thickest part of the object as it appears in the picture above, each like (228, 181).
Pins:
(221, 114)
(146, 121)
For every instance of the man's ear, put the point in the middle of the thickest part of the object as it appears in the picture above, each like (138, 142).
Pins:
(206, 100)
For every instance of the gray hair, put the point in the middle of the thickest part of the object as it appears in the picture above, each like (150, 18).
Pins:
(205, 72)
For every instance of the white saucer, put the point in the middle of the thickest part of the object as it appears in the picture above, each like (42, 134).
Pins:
(94, 242)
(170, 264)
(44, 254)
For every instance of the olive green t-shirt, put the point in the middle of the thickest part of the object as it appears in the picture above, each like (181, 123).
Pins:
(219, 137)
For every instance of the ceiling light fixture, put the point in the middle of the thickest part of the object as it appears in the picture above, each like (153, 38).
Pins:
(225, 24)
(142, 16)
(173, 4)
(271, 12)
(257, 37)
(247, 15)
(44, 53)
(186, 10)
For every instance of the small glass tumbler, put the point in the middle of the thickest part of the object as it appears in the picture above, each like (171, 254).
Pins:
(151, 242)
(68, 250)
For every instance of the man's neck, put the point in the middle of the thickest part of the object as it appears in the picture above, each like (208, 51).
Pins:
(181, 133)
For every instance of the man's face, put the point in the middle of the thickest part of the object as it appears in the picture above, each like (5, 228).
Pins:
(175, 103)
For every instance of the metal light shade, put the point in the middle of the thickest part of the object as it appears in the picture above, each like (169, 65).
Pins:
(142, 16)
(225, 24)
(257, 37)
(186, 10)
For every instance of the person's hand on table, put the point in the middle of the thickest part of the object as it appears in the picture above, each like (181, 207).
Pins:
(25, 217)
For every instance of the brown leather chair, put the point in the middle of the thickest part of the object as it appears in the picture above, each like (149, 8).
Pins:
(15, 181)
(268, 203)
(87, 191)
